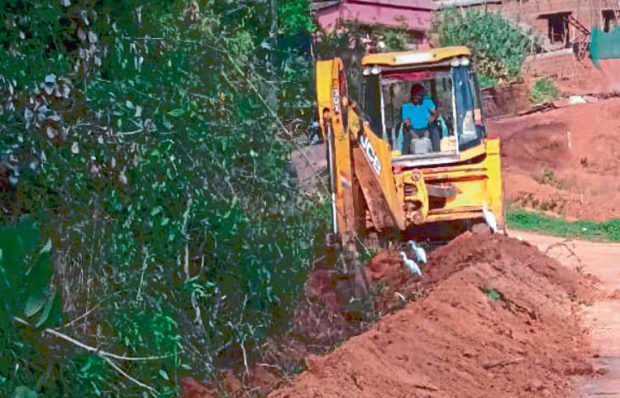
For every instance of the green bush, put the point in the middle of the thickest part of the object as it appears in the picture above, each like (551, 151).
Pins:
(543, 91)
(151, 148)
(499, 46)
(29, 302)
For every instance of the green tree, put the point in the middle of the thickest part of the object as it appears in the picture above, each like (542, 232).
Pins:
(499, 46)
(147, 148)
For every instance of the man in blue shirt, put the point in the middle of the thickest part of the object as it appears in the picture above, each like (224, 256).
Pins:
(419, 117)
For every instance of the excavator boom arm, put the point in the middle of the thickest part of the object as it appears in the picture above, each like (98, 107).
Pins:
(359, 161)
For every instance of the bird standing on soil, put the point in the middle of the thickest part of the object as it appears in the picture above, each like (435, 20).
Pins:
(410, 264)
(420, 253)
(489, 217)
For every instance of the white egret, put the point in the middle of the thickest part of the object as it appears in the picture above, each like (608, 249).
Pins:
(419, 251)
(489, 218)
(410, 264)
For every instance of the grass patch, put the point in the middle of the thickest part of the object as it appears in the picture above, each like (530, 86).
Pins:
(521, 219)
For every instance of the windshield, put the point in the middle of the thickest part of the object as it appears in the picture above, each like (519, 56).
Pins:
(435, 111)
(468, 108)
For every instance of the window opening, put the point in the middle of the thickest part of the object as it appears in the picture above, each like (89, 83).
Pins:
(609, 20)
(557, 27)
(417, 123)
(425, 112)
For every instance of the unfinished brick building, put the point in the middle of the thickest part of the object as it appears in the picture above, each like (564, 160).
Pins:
(562, 22)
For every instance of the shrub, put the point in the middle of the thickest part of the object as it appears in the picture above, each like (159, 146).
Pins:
(544, 90)
(151, 148)
(499, 46)
(29, 302)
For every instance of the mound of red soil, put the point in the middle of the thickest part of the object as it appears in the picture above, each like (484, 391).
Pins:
(502, 322)
(565, 161)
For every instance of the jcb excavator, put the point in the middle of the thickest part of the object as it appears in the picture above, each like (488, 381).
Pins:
(382, 185)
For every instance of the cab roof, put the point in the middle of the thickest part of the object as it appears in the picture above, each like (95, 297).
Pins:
(405, 58)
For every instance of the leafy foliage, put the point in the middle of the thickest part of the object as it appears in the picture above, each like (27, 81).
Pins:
(544, 90)
(294, 16)
(26, 290)
(27, 294)
(151, 147)
(499, 46)
(351, 41)
(395, 39)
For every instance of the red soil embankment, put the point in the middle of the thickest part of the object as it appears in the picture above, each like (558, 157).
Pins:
(502, 322)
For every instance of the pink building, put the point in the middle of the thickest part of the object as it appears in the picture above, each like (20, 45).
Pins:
(416, 15)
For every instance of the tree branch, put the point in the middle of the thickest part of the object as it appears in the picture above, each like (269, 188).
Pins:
(87, 313)
(103, 354)
(135, 381)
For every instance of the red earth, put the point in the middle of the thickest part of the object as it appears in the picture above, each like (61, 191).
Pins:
(565, 161)
(495, 317)
(593, 80)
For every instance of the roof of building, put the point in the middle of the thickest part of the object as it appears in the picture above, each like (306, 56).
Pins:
(409, 4)
(319, 5)
(464, 3)
(416, 4)
(415, 57)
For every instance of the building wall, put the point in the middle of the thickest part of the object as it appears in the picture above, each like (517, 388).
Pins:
(588, 12)
(532, 12)
(559, 65)
(542, 15)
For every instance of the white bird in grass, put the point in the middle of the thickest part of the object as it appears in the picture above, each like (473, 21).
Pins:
(419, 251)
(410, 264)
(489, 218)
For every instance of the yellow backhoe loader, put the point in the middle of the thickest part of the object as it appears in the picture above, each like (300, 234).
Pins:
(387, 176)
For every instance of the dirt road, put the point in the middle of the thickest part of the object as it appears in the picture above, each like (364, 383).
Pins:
(603, 317)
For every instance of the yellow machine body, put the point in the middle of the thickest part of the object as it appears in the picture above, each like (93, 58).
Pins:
(373, 187)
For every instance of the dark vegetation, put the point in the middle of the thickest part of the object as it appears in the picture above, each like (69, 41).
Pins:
(499, 46)
(150, 225)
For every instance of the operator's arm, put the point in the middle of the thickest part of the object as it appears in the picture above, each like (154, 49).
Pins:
(404, 116)
(433, 116)
(430, 105)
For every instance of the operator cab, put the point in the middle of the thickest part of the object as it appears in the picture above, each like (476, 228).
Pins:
(450, 102)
